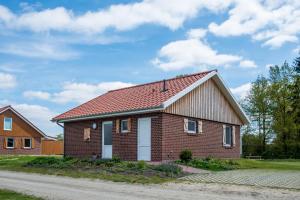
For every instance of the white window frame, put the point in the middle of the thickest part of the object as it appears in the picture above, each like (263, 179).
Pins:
(30, 143)
(11, 122)
(231, 143)
(195, 126)
(13, 143)
(122, 130)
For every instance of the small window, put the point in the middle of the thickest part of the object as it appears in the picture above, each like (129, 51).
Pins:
(27, 143)
(191, 126)
(228, 136)
(7, 124)
(124, 126)
(10, 143)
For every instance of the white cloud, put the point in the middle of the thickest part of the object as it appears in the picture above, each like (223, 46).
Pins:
(82, 92)
(241, 91)
(296, 50)
(40, 116)
(76, 92)
(36, 49)
(194, 52)
(118, 16)
(248, 64)
(36, 95)
(7, 81)
(274, 22)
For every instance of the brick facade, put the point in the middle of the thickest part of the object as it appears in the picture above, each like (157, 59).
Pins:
(19, 150)
(209, 143)
(124, 144)
(167, 139)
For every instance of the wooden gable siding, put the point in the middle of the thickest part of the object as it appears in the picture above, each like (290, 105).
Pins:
(19, 127)
(205, 102)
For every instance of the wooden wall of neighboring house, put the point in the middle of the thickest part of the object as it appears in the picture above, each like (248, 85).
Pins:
(20, 130)
(52, 147)
(205, 102)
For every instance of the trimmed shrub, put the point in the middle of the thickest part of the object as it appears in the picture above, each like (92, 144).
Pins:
(186, 155)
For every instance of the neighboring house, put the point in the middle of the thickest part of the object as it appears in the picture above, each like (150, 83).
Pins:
(18, 135)
(156, 121)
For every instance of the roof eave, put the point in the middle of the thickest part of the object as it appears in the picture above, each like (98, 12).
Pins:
(113, 114)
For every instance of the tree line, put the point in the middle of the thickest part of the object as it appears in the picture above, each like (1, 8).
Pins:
(273, 106)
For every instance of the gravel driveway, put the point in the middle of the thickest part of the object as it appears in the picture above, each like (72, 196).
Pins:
(52, 187)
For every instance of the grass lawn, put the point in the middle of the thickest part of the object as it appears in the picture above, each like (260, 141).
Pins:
(119, 171)
(10, 195)
(222, 164)
(288, 164)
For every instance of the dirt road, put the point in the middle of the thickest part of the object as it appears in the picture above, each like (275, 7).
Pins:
(63, 188)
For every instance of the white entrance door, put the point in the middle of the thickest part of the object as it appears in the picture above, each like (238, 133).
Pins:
(144, 139)
(107, 139)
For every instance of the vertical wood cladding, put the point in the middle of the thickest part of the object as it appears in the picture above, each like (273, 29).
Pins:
(206, 102)
(20, 129)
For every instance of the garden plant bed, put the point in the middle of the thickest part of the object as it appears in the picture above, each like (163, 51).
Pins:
(114, 170)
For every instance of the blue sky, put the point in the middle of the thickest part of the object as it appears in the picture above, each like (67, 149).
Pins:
(57, 54)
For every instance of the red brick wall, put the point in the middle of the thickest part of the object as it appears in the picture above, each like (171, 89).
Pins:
(210, 143)
(168, 139)
(124, 144)
(18, 150)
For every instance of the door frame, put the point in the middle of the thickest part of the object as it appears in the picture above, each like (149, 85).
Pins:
(102, 128)
(138, 135)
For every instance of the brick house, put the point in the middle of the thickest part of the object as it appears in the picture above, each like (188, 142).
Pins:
(156, 121)
(18, 135)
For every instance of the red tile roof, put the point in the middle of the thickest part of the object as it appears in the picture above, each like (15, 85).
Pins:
(139, 97)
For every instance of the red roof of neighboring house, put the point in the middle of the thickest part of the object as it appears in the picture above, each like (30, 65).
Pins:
(139, 97)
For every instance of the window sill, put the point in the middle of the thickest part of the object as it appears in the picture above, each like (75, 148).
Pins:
(10, 147)
(124, 131)
(27, 148)
(227, 146)
(7, 129)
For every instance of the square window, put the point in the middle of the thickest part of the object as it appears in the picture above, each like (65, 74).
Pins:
(7, 124)
(191, 126)
(228, 136)
(10, 143)
(27, 143)
(124, 126)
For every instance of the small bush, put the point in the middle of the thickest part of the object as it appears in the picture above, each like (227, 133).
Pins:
(52, 162)
(169, 169)
(116, 159)
(109, 164)
(141, 164)
(213, 164)
(186, 155)
(131, 165)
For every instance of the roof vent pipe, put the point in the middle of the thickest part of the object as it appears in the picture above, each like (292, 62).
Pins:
(164, 89)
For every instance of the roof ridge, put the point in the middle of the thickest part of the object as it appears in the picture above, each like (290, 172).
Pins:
(4, 107)
(177, 77)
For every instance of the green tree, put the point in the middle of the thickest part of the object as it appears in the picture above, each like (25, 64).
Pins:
(295, 90)
(60, 136)
(281, 105)
(257, 105)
